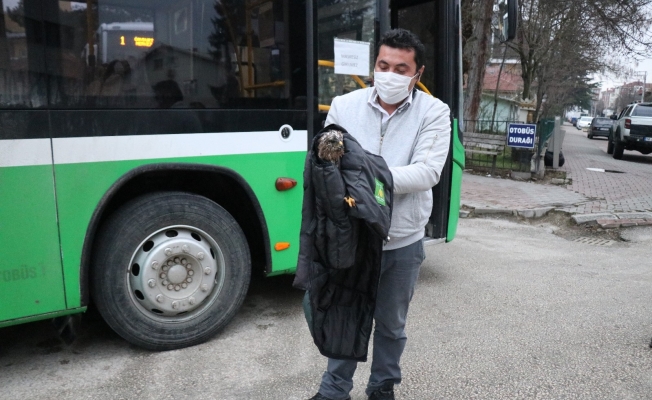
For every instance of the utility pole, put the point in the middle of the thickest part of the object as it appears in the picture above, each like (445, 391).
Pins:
(644, 73)
(643, 94)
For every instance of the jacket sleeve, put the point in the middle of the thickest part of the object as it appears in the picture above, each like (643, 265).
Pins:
(429, 155)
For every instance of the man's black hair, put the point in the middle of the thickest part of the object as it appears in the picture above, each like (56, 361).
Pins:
(404, 39)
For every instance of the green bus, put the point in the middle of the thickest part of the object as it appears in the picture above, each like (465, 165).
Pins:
(152, 151)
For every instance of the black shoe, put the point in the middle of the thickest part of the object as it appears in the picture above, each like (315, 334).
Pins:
(384, 393)
(320, 396)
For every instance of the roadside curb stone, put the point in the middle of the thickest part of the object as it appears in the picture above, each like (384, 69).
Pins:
(488, 211)
(525, 213)
(580, 219)
(607, 223)
(635, 215)
(534, 212)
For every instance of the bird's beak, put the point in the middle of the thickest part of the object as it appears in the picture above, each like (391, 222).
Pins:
(341, 143)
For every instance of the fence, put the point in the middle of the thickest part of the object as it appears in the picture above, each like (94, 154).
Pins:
(508, 158)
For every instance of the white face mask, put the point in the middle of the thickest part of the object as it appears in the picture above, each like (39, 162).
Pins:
(391, 87)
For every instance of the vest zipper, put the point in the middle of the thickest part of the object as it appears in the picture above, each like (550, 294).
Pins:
(380, 146)
(382, 133)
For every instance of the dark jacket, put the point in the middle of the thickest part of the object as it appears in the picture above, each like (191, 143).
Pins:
(341, 246)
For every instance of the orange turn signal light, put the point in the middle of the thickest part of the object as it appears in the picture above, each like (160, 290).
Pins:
(280, 246)
(285, 184)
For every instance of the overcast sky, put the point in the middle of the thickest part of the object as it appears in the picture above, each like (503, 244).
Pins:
(609, 82)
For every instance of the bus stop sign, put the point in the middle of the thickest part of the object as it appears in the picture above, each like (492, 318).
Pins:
(521, 135)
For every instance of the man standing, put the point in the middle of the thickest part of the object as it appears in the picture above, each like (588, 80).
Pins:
(411, 131)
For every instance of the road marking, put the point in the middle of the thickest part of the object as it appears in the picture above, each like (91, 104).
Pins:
(613, 171)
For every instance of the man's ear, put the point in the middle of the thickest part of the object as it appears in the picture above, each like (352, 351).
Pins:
(420, 71)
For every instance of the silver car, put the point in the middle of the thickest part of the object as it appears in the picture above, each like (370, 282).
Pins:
(584, 122)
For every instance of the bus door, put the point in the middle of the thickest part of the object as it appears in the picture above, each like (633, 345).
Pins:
(359, 24)
(437, 25)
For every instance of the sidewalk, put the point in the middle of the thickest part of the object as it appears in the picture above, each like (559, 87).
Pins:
(610, 199)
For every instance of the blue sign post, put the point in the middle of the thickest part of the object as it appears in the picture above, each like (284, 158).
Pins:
(521, 135)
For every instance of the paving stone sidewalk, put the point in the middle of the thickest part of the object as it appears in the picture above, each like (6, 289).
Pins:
(488, 192)
(609, 199)
(627, 189)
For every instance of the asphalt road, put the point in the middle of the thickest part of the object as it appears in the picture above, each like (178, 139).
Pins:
(506, 311)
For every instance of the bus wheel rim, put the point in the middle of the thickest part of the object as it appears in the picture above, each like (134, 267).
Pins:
(176, 273)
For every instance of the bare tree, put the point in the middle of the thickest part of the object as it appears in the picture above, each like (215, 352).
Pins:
(626, 97)
(560, 43)
(476, 54)
(599, 107)
(500, 72)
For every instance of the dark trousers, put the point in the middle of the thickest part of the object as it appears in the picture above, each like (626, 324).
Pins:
(398, 276)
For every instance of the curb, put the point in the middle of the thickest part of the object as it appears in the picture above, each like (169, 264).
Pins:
(525, 213)
(615, 220)
(604, 220)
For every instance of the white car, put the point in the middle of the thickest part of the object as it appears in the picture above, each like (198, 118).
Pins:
(632, 130)
(584, 122)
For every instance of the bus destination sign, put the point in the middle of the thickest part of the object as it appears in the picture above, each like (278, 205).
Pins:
(138, 41)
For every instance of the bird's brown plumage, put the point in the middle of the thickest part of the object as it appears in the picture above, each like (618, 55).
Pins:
(331, 146)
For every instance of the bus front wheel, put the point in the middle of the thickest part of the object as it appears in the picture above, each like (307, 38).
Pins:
(170, 270)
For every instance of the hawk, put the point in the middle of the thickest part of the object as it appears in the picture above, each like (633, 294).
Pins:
(331, 146)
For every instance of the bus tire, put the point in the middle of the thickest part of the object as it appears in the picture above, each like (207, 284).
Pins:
(170, 269)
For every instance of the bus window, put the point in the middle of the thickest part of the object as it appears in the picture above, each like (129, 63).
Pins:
(354, 20)
(149, 54)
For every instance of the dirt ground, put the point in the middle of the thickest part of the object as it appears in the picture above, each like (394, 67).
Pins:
(560, 224)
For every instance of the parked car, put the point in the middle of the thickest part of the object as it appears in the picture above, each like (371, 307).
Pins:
(632, 130)
(584, 122)
(599, 127)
